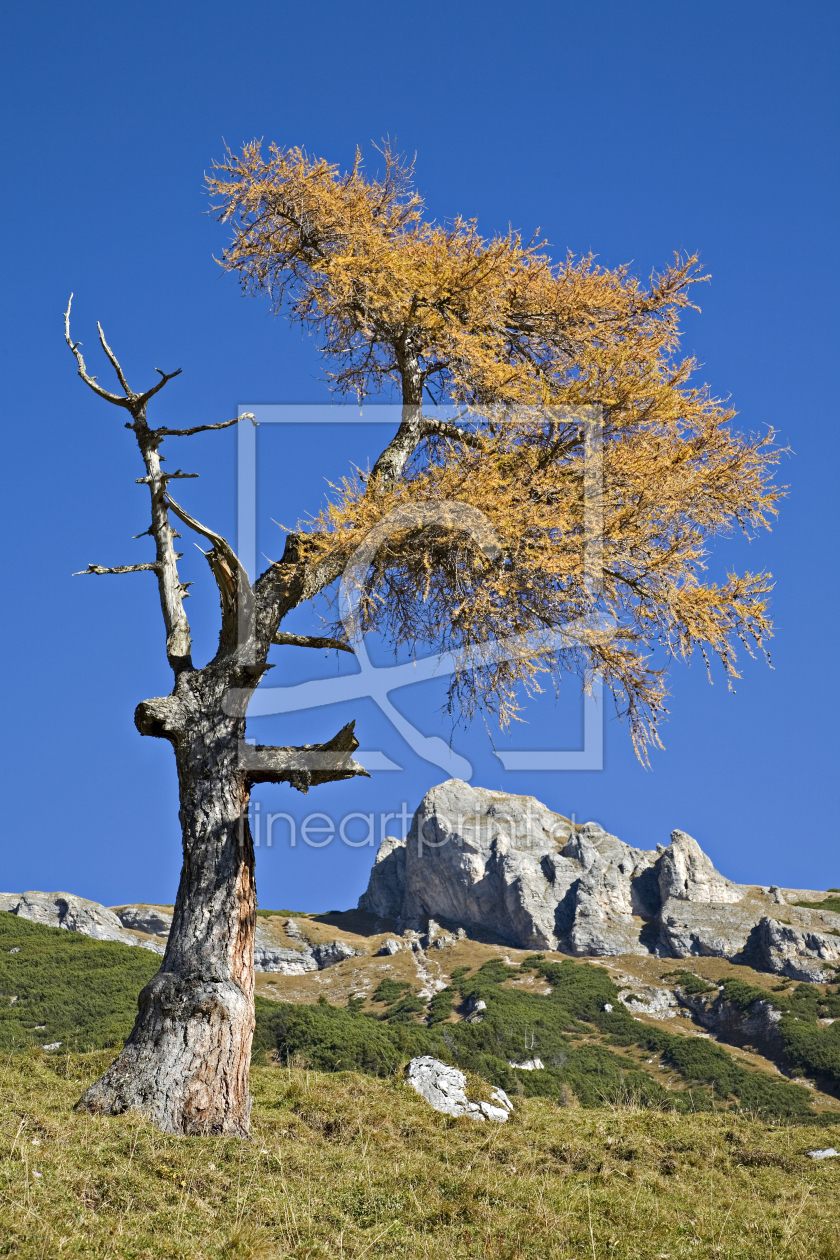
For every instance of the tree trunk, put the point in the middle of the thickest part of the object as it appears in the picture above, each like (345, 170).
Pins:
(186, 1062)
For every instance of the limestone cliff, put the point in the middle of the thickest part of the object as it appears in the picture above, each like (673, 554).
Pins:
(507, 868)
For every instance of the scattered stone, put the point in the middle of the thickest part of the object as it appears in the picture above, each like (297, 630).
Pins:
(828, 1153)
(51, 1045)
(15, 950)
(444, 1088)
(528, 1065)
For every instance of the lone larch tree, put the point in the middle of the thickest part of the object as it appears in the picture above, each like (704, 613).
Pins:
(469, 530)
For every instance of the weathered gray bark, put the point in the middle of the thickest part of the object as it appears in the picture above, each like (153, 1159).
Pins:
(186, 1062)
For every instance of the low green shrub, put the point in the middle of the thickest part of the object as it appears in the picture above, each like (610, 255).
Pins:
(62, 986)
(389, 990)
(331, 1039)
(828, 903)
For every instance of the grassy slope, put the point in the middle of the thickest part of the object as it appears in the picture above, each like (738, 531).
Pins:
(83, 991)
(348, 1167)
(601, 1055)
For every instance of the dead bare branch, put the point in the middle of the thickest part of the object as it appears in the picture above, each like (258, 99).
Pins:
(122, 568)
(135, 403)
(164, 477)
(129, 393)
(205, 428)
(305, 766)
(310, 641)
(83, 372)
(232, 580)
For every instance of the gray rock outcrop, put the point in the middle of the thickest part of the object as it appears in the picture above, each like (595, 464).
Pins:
(757, 1025)
(646, 999)
(285, 961)
(74, 914)
(444, 1088)
(387, 880)
(508, 869)
(77, 914)
(150, 919)
(796, 952)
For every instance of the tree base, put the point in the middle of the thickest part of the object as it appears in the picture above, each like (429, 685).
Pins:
(185, 1065)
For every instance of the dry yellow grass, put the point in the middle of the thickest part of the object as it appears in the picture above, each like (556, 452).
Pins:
(351, 1167)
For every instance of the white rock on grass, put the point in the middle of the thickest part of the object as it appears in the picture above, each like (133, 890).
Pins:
(444, 1088)
(645, 999)
(528, 1065)
(828, 1153)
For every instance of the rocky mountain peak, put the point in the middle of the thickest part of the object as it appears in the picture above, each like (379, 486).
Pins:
(506, 868)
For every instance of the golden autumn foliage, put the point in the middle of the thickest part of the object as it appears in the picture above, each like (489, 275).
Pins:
(548, 399)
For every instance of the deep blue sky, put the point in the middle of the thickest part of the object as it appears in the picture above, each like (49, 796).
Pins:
(628, 130)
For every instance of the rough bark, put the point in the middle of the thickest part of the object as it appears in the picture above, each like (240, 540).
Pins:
(186, 1063)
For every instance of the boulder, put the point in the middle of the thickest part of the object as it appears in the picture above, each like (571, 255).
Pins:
(149, 919)
(444, 1088)
(799, 953)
